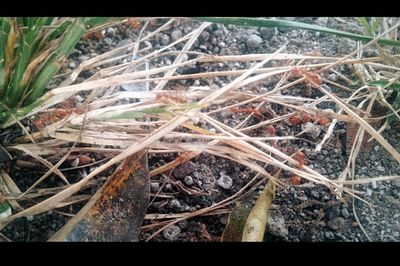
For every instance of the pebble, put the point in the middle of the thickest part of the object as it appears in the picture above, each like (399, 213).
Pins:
(72, 65)
(376, 148)
(184, 170)
(346, 46)
(172, 233)
(345, 213)
(154, 186)
(225, 181)
(176, 34)
(380, 168)
(111, 31)
(329, 235)
(175, 204)
(336, 223)
(188, 180)
(205, 35)
(165, 40)
(268, 33)
(83, 58)
(108, 41)
(254, 41)
(221, 44)
(276, 224)
(315, 194)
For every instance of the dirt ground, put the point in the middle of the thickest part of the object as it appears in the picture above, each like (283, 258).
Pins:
(306, 212)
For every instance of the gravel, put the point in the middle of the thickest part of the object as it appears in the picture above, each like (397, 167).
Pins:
(225, 182)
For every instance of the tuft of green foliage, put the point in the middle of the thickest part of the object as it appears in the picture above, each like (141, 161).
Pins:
(32, 50)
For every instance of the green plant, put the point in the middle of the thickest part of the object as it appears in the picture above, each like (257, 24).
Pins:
(32, 50)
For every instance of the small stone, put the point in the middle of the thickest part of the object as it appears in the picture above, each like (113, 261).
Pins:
(276, 224)
(205, 35)
(175, 205)
(254, 41)
(315, 194)
(225, 182)
(221, 44)
(268, 33)
(329, 235)
(188, 180)
(72, 65)
(108, 41)
(176, 34)
(380, 168)
(165, 40)
(83, 58)
(168, 187)
(184, 170)
(337, 223)
(154, 187)
(346, 46)
(110, 31)
(345, 213)
(172, 233)
(374, 184)
(376, 148)
(29, 218)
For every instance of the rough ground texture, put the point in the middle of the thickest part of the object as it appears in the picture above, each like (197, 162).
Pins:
(306, 212)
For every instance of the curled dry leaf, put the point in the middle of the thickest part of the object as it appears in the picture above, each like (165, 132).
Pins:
(295, 180)
(271, 130)
(84, 159)
(295, 120)
(256, 223)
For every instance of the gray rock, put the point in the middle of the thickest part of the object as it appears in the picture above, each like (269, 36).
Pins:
(184, 170)
(154, 187)
(268, 33)
(380, 168)
(376, 148)
(108, 41)
(188, 180)
(221, 44)
(322, 21)
(329, 235)
(346, 46)
(315, 194)
(345, 212)
(172, 233)
(176, 35)
(72, 64)
(204, 36)
(175, 204)
(225, 181)
(254, 41)
(83, 58)
(276, 224)
(337, 223)
(165, 40)
(110, 31)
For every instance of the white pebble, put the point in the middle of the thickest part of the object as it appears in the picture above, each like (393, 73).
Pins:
(225, 182)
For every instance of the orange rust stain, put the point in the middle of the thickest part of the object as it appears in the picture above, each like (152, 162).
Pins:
(130, 166)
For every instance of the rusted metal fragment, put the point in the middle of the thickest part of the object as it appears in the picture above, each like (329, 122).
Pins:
(116, 211)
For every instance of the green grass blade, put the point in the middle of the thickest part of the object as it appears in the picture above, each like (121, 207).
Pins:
(96, 21)
(24, 51)
(363, 21)
(70, 38)
(259, 22)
